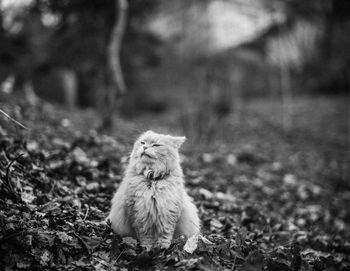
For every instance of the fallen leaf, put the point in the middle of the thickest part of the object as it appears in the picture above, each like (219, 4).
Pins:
(191, 244)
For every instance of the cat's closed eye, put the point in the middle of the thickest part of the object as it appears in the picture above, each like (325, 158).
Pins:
(142, 142)
(156, 145)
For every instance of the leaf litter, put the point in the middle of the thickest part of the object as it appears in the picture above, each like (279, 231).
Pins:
(56, 187)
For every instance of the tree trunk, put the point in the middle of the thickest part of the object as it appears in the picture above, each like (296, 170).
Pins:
(349, 122)
(286, 98)
(285, 84)
(115, 86)
(327, 45)
(236, 89)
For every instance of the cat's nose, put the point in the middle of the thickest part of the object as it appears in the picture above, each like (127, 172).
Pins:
(145, 148)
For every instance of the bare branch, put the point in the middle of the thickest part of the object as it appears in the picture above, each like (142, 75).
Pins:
(115, 46)
(12, 119)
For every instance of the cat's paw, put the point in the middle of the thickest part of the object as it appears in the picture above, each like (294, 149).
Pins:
(148, 246)
(163, 243)
(146, 242)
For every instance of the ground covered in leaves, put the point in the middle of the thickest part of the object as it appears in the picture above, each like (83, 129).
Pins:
(258, 212)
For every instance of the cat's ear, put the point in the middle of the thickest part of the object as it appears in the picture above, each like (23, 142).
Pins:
(177, 141)
(148, 132)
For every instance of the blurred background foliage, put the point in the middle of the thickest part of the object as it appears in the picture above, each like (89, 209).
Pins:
(212, 56)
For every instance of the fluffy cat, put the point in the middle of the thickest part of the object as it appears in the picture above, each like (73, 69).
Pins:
(151, 203)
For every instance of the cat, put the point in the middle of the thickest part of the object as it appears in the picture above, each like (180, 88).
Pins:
(151, 203)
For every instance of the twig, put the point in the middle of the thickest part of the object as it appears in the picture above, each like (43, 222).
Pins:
(12, 119)
(234, 263)
(82, 241)
(86, 213)
(53, 187)
(7, 177)
(121, 253)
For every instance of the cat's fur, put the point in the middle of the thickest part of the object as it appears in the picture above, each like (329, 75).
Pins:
(153, 210)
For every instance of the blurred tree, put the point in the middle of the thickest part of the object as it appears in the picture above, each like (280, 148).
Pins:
(84, 36)
(305, 41)
(116, 85)
(334, 56)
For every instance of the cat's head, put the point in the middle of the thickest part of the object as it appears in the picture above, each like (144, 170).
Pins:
(152, 148)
